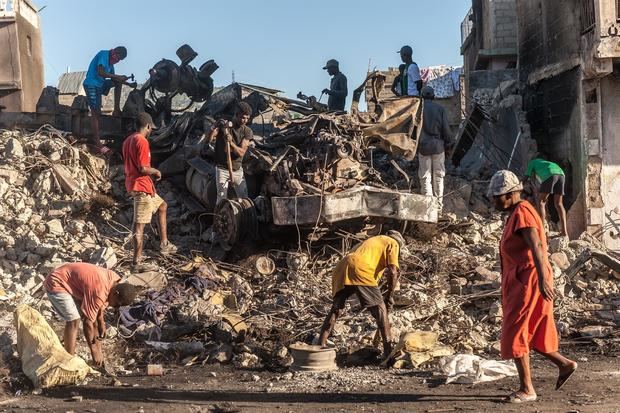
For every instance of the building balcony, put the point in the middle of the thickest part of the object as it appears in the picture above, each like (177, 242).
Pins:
(600, 27)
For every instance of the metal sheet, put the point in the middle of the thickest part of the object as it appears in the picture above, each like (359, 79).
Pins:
(362, 201)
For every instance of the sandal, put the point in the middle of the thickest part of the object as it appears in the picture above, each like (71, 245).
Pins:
(167, 248)
(520, 397)
(563, 379)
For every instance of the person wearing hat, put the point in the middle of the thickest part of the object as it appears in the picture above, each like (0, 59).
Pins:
(435, 138)
(139, 177)
(411, 81)
(527, 287)
(100, 79)
(359, 273)
(337, 91)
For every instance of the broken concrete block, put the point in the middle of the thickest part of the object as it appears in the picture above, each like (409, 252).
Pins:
(154, 370)
(75, 227)
(10, 175)
(65, 180)
(223, 354)
(560, 259)
(484, 274)
(104, 257)
(557, 244)
(54, 227)
(150, 279)
(4, 188)
(13, 149)
(246, 360)
(32, 259)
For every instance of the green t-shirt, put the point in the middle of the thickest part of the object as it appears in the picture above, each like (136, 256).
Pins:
(543, 169)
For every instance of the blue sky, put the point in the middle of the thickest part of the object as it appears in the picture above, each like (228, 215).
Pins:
(276, 43)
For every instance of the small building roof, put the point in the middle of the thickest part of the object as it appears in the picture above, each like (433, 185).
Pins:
(71, 83)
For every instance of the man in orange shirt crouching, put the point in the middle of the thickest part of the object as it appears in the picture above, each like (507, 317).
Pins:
(82, 290)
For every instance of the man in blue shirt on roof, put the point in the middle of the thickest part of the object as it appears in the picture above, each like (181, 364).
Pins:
(100, 78)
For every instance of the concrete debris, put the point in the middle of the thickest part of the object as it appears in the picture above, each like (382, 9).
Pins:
(248, 308)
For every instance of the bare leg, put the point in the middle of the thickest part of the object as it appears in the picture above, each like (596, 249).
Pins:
(559, 206)
(117, 98)
(542, 206)
(565, 366)
(161, 221)
(525, 375)
(328, 324)
(380, 314)
(70, 336)
(94, 123)
(138, 238)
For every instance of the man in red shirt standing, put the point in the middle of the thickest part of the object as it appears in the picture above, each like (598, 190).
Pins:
(139, 184)
(82, 290)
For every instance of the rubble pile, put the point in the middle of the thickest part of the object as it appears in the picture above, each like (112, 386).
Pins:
(450, 286)
(48, 191)
(54, 209)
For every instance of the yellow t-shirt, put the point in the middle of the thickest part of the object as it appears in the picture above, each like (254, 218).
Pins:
(365, 264)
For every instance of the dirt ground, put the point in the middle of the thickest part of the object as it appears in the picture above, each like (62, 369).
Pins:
(368, 389)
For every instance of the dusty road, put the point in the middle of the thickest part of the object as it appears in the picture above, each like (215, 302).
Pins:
(217, 389)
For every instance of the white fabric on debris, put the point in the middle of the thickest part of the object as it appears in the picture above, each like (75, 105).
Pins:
(444, 80)
(471, 369)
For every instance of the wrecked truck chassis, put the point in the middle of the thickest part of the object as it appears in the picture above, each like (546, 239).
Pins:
(359, 202)
(237, 220)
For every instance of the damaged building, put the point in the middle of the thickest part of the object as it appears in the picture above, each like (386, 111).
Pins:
(565, 62)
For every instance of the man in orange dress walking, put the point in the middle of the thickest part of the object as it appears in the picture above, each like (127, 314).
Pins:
(527, 287)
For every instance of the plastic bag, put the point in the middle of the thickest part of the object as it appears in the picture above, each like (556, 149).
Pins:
(470, 369)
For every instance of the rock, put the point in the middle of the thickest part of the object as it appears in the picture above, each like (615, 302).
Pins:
(560, 259)
(472, 237)
(557, 244)
(10, 174)
(13, 149)
(457, 284)
(32, 259)
(484, 274)
(54, 227)
(4, 187)
(287, 376)
(104, 257)
(223, 354)
(246, 360)
(75, 227)
(154, 370)
(255, 377)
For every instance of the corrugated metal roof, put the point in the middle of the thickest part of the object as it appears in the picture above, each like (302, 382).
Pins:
(71, 83)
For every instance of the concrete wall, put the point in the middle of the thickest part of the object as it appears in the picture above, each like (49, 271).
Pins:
(500, 24)
(549, 42)
(21, 59)
(610, 157)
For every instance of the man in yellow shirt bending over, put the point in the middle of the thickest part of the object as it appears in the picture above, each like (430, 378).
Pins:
(359, 273)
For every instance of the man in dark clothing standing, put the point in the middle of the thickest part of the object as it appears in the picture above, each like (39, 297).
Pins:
(337, 91)
(239, 136)
(411, 81)
(435, 137)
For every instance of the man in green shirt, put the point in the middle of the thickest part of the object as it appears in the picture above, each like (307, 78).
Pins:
(550, 179)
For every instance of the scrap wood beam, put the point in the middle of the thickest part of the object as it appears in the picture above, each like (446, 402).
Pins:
(586, 256)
